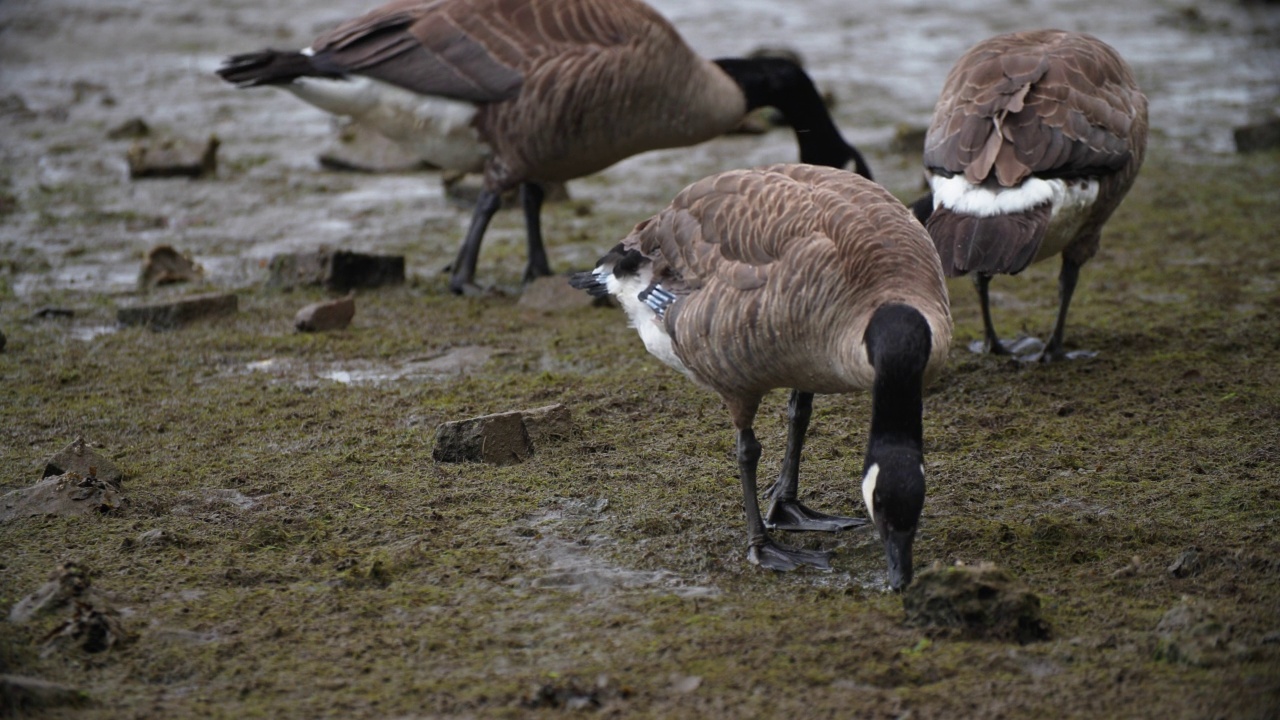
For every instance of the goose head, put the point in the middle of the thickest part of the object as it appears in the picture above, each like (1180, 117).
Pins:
(893, 489)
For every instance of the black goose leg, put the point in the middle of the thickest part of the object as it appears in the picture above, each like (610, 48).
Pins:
(464, 267)
(786, 512)
(531, 196)
(991, 343)
(1067, 278)
(761, 549)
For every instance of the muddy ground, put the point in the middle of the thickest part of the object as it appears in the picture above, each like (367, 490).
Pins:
(289, 548)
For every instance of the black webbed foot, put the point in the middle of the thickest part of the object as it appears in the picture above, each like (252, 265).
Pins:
(794, 516)
(782, 558)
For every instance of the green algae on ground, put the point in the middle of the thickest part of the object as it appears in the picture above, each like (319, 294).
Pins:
(323, 564)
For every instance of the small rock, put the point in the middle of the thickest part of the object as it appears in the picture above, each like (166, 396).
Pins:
(165, 266)
(80, 457)
(1133, 568)
(173, 157)
(981, 601)
(360, 149)
(68, 582)
(554, 294)
(130, 129)
(339, 270)
(1186, 564)
(1191, 634)
(1259, 136)
(26, 695)
(499, 439)
(323, 316)
(69, 494)
(548, 424)
(176, 313)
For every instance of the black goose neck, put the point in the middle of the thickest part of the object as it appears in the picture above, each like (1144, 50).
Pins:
(780, 83)
(899, 342)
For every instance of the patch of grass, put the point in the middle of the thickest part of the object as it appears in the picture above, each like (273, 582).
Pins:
(366, 580)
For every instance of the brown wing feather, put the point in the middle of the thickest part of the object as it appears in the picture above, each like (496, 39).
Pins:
(1046, 102)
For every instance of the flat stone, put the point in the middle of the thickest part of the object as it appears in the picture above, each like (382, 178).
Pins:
(164, 265)
(979, 601)
(173, 157)
(1186, 564)
(324, 316)
(554, 294)
(338, 270)
(80, 457)
(20, 694)
(1258, 136)
(498, 439)
(548, 424)
(63, 495)
(176, 313)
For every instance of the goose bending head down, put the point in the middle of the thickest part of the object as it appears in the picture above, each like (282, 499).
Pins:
(801, 277)
(1035, 139)
(536, 91)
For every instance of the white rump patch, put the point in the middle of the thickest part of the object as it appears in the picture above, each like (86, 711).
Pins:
(434, 129)
(869, 489)
(962, 196)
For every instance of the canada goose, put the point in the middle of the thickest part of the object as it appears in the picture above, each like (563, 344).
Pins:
(802, 277)
(535, 91)
(1036, 138)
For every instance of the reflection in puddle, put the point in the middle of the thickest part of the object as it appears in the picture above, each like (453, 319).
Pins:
(572, 566)
(458, 361)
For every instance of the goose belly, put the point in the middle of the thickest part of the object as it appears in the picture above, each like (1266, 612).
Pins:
(434, 129)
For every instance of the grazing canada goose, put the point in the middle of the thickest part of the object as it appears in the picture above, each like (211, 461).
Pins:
(802, 277)
(536, 91)
(1036, 138)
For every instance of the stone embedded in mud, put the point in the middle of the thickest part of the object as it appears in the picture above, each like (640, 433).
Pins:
(66, 583)
(498, 439)
(554, 294)
(1192, 634)
(327, 315)
(20, 694)
(502, 438)
(164, 265)
(548, 424)
(338, 270)
(1186, 564)
(68, 494)
(80, 457)
(1257, 137)
(981, 601)
(173, 157)
(176, 313)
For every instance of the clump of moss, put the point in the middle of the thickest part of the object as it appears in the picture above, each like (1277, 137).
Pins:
(980, 602)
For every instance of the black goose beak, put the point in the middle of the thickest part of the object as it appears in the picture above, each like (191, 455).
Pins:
(897, 548)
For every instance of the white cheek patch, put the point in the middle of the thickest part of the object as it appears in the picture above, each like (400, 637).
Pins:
(869, 489)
